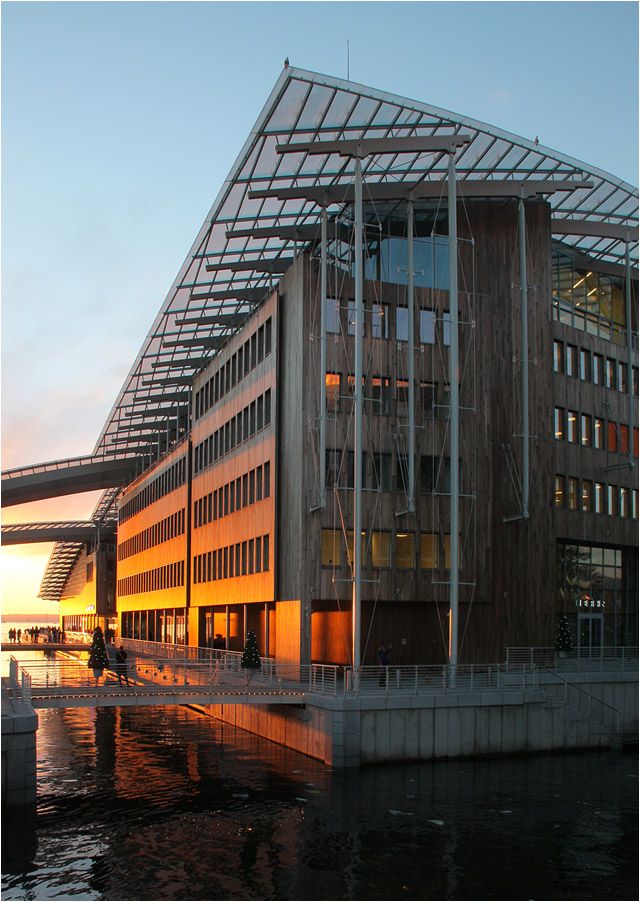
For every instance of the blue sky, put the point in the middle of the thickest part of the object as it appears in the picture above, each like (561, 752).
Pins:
(120, 121)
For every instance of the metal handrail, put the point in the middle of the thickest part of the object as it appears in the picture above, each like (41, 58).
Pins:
(592, 698)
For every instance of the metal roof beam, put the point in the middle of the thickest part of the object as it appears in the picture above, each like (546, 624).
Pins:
(213, 341)
(167, 380)
(213, 319)
(367, 146)
(184, 362)
(597, 229)
(278, 265)
(397, 190)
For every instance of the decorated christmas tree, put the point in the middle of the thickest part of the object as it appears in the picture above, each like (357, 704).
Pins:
(98, 657)
(250, 656)
(564, 642)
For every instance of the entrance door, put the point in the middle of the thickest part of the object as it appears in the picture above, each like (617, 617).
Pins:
(589, 634)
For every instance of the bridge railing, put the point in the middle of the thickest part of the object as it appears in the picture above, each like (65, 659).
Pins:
(424, 679)
(144, 676)
(605, 658)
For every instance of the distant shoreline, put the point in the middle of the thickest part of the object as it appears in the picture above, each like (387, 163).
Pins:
(28, 618)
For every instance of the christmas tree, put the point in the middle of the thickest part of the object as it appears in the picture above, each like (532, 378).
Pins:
(250, 656)
(564, 642)
(98, 657)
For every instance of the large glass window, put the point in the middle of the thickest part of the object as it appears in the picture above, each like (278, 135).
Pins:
(572, 426)
(404, 551)
(380, 395)
(585, 429)
(428, 551)
(559, 422)
(330, 548)
(585, 369)
(588, 301)
(381, 549)
(332, 383)
(427, 327)
(587, 495)
(558, 357)
(332, 319)
(559, 491)
(572, 493)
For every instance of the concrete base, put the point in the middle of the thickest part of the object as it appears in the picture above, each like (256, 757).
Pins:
(348, 732)
(19, 725)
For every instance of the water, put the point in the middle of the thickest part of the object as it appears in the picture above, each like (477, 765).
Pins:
(165, 803)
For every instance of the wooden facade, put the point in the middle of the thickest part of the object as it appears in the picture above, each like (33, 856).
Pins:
(298, 598)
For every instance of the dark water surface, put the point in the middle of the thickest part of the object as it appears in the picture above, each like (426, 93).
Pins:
(165, 803)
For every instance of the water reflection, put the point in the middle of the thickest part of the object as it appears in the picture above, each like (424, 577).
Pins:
(165, 803)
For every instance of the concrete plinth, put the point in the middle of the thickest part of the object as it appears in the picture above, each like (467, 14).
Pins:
(19, 725)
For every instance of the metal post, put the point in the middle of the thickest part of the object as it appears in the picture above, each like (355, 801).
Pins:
(454, 422)
(266, 629)
(525, 361)
(323, 358)
(629, 349)
(357, 465)
(228, 628)
(411, 374)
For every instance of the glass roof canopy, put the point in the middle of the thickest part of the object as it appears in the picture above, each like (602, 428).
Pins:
(247, 241)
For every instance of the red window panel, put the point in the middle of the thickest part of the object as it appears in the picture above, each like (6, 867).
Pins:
(624, 439)
(612, 436)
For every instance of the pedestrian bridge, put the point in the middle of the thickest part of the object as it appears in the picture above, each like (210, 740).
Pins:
(69, 683)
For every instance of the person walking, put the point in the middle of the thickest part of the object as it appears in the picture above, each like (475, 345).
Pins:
(121, 665)
(250, 657)
(383, 655)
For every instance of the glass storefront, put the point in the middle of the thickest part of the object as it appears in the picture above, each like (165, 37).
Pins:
(597, 588)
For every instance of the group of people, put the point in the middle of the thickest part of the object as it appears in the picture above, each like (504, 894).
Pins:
(53, 635)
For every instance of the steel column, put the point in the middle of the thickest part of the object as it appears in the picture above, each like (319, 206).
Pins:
(454, 421)
(629, 349)
(323, 358)
(525, 360)
(357, 453)
(411, 373)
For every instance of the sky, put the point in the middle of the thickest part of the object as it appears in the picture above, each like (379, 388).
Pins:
(121, 121)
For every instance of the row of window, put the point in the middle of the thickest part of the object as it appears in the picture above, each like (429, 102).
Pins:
(435, 472)
(595, 497)
(171, 478)
(241, 492)
(163, 625)
(239, 365)
(433, 549)
(169, 528)
(589, 431)
(241, 559)
(591, 367)
(589, 301)
(169, 576)
(431, 327)
(238, 429)
(377, 394)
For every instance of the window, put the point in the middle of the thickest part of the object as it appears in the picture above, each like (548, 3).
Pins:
(381, 472)
(585, 429)
(585, 369)
(598, 432)
(427, 327)
(428, 551)
(427, 399)
(622, 377)
(380, 395)
(612, 436)
(624, 506)
(381, 549)
(598, 369)
(379, 321)
(611, 500)
(402, 323)
(571, 360)
(447, 553)
(332, 387)
(260, 344)
(330, 548)
(598, 498)
(446, 329)
(559, 422)
(402, 396)
(363, 549)
(624, 439)
(572, 493)
(404, 551)
(610, 373)
(572, 426)
(559, 491)
(634, 371)
(351, 318)
(558, 357)
(587, 495)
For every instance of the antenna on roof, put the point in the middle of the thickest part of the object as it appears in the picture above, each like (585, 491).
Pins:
(347, 60)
